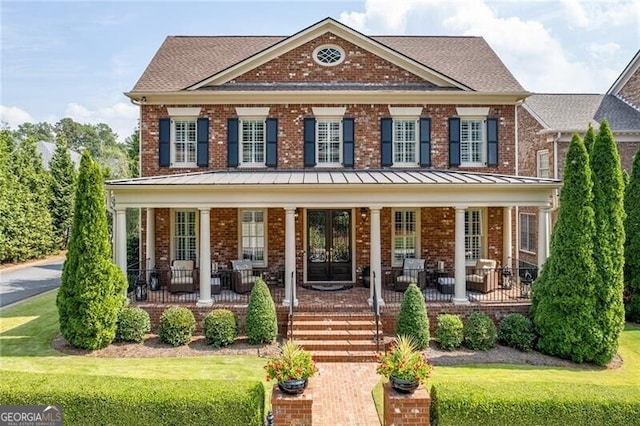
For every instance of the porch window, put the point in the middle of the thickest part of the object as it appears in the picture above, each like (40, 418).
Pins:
(473, 235)
(543, 163)
(405, 238)
(253, 236)
(472, 137)
(184, 142)
(184, 235)
(528, 241)
(405, 142)
(329, 142)
(252, 142)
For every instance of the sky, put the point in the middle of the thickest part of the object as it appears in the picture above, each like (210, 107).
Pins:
(77, 58)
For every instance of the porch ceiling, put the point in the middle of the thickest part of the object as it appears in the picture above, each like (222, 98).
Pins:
(337, 188)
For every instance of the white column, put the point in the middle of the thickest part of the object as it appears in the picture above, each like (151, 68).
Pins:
(121, 239)
(543, 235)
(507, 241)
(205, 258)
(375, 255)
(151, 238)
(460, 292)
(290, 257)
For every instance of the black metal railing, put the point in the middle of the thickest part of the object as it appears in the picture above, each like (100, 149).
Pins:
(291, 307)
(375, 305)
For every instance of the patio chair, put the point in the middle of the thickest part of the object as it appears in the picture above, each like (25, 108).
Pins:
(242, 277)
(412, 272)
(484, 276)
(183, 276)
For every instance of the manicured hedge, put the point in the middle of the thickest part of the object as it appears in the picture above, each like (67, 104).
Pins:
(93, 400)
(464, 403)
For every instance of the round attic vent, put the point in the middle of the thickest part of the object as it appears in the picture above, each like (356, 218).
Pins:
(328, 55)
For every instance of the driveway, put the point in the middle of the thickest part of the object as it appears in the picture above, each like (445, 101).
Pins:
(21, 282)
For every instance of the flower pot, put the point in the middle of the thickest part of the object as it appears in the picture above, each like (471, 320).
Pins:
(402, 385)
(293, 387)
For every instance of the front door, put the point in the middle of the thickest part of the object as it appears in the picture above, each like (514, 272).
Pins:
(329, 245)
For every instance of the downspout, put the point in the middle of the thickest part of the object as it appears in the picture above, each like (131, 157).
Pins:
(139, 105)
(516, 229)
(555, 155)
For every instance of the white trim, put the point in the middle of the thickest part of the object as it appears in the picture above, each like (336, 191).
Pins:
(483, 143)
(339, 163)
(625, 75)
(172, 221)
(539, 154)
(472, 111)
(329, 111)
(183, 112)
(416, 142)
(520, 229)
(241, 142)
(400, 112)
(484, 226)
(172, 142)
(252, 112)
(264, 211)
(329, 46)
(418, 252)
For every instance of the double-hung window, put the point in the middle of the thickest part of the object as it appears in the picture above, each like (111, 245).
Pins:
(253, 236)
(405, 142)
(252, 142)
(473, 235)
(405, 236)
(329, 142)
(472, 142)
(527, 232)
(184, 235)
(543, 163)
(184, 142)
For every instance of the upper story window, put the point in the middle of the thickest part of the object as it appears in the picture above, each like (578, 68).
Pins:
(328, 55)
(183, 142)
(329, 145)
(473, 138)
(472, 142)
(183, 138)
(405, 138)
(543, 163)
(252, 142)
(405, 142)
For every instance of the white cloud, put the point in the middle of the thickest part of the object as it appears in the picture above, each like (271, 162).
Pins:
(609, 49)
(14, 116)
(121, 117)
(576, 15)
(381, 17)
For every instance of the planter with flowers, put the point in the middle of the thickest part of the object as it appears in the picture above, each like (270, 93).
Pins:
(291, 369)
(404, 365)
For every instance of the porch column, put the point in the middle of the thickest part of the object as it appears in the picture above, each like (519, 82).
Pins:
(121, 239)
(543, 235)
(460, 292)
(375, 256)
(205, 258)
(151, 238)
(507, 242)
(290, 257)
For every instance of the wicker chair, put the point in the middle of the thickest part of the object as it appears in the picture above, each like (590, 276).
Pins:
(183, 276)
(242, 277)
(484, 277)
(412, 272)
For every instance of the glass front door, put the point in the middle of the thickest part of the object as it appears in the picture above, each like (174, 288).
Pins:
(329, 245)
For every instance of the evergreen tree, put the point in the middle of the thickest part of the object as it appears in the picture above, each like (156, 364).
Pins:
(6, 184)
(563, 298)
(63, 182)
(413, 319)
(632, 243)
(92, 290)
(590, 140)
(608, 205)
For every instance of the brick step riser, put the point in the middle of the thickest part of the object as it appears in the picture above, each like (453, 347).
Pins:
(330, 327)
(332, 337)
(320, 316)
(344, 358)
(340, 347)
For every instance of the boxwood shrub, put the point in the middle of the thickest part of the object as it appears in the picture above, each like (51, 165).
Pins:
(449, 333)
(479, 332)
(516, 331)
(220, 327)
(94, 400)
(176, 326)
(133, 324)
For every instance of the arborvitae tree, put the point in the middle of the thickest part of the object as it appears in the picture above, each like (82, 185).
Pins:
(92, 290)
(590, 140)
(563, 298)
(608, 248)
(63, 187)
(261, 322)
(6, 200)
(412, 319)
(632, 243)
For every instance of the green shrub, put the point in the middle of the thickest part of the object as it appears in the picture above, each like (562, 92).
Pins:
(220, 328)
(133, 324)
(96, 400)
(516, 331)
(262, 322)
(449, 333)
(176, 326)
(479, 332)
(412, 319)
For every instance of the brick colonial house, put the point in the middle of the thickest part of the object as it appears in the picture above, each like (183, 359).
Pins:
(546, 124)
(323, 153)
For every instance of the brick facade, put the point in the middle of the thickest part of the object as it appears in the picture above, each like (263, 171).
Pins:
(630, 92)
(406, 409)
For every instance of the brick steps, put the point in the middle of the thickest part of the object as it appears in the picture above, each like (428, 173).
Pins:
(337, 336)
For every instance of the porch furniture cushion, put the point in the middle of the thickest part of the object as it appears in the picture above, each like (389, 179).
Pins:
(446, 285)
(412, 272)
(484, 276)
(242, 278)
(183, 276)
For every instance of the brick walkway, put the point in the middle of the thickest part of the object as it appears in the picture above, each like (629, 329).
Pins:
(342, 394)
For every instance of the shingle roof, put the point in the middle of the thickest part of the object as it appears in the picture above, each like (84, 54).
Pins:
(182, 61)
(573, 112)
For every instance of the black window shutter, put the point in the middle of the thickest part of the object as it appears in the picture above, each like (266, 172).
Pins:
(425, 142)
(386, 142)
(309, 142)
(272, 142)
(492, 142)
(454, 142)
(232, 142)
(164, 142)
(348, 146)
(203, 142)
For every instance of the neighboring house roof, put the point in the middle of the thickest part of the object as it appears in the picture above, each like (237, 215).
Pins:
(632, 68)
(46, 149)
(574, 112)
(183, 62)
